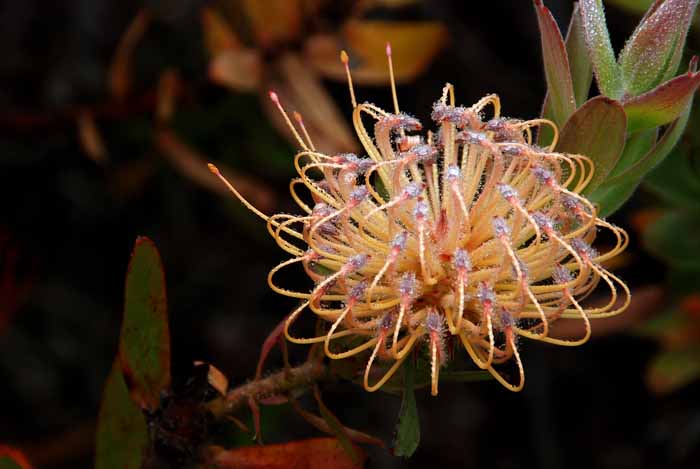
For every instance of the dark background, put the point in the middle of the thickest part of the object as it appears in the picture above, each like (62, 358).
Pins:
(70, 224)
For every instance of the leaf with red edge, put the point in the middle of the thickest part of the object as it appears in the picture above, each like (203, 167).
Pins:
(144, 344)
(122, 435)
(607, 71)
(654, 50)
(596, 130)
(581, 72)
(560, 88)
(316, 453)
(664, 103)
(13, 458)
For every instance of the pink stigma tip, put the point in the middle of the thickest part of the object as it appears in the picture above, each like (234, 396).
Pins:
(388, 49)
(273, 96)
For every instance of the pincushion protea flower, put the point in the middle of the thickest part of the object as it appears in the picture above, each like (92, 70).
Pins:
(468, 233)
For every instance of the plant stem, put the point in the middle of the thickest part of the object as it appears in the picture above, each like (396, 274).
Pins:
(278, 383)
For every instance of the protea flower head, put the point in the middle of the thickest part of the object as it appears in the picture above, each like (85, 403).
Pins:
(468, 233)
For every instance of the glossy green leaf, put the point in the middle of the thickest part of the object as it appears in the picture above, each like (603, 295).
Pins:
(556, 66)
(636, 171)
(144, 344)
(122, 435)
(653, 52)
(607, 71)
(674, 239)
(408, 427)
(673, 369)
(637, 145)
(664, 103)
(596, 130)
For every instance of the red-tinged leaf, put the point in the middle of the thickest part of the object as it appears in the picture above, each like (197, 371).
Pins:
(581, 72)
(316, 453)
(13, 458)
(556, 66)
(144, 343)
(663, 104)
(122, 435)
(673, 369)
(272, 339)
(596, 130)
(654, 50)
(607, 71)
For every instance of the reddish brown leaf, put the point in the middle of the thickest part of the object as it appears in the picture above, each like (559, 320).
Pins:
(218, 35)
(193, 165)
(240, 69)
(316, 453)
(168, 87)
(120, 68)
(90, 138)
(274, 21)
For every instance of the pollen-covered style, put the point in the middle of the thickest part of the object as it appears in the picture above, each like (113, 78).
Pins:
(470, 234)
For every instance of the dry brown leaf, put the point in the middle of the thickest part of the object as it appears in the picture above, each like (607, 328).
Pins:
(215, 377)
(193, 166)
(274, 21)
(239, 69)
(90, 138)
(218, 35)
(120, 68)
(414, 45)
(300, 89)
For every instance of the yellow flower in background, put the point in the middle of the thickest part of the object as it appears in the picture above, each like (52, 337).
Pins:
(467, 233)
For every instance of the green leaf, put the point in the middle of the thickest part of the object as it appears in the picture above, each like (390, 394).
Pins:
(636, 171)
(144, 344)
(607, 71)
(579, 62)
(556, 66)
(673, 238)
(673, 369)
(122, 435)
(664, 103)
(6, 462)
(653, 52)
(675, 180)
(611, 198)
(408, 427)
(596, 130)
